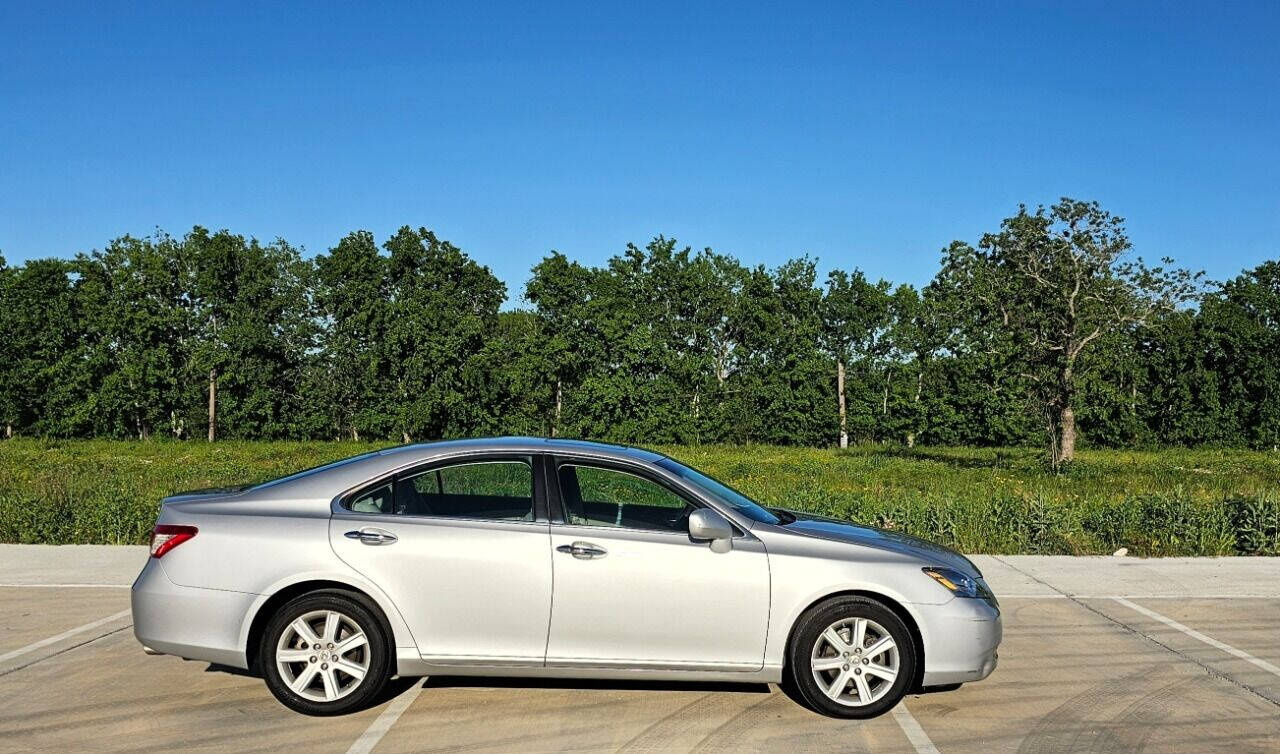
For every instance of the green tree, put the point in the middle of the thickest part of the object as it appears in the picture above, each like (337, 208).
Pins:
(443, 307)
(132, 299)
(856, 319)
(1241, 335)
(565, 299)
(352, 295)
(251, 314)
(1053, 282)
(44, 386)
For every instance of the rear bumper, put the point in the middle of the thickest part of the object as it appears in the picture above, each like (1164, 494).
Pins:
(198, 624)
(961, 639)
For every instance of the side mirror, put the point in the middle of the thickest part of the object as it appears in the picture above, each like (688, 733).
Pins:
(706, 524)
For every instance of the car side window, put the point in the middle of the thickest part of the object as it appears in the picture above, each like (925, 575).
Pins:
(494, 490)
(597, 496)
(374, 501)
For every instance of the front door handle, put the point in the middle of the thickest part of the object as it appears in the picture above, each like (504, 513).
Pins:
(583, 550)
(371, 536)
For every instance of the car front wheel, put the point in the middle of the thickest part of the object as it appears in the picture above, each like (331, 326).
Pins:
(324, 653)
(851, 657)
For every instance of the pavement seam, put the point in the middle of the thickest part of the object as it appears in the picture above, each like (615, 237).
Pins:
(64, 650)
(1130, 629)
(42, 643)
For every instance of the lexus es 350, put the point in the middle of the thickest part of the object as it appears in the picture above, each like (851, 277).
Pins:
(551, 558)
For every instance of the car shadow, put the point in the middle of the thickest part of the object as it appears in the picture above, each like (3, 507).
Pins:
(439, 681)
(216, 668)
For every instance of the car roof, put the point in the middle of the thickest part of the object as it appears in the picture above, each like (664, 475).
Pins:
(332, 479)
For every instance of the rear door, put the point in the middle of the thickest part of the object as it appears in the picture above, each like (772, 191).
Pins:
(633, 590)
(463, 550)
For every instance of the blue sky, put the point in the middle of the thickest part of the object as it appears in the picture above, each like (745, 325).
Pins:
(867, 135)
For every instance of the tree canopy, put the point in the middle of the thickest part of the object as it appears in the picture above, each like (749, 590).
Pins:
(1045, 331)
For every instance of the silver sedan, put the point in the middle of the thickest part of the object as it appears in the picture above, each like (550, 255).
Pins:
(551, 558)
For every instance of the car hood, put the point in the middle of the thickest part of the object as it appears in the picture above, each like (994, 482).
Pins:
(868, 536)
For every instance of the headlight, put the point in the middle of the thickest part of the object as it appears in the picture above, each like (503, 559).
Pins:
(955, 582)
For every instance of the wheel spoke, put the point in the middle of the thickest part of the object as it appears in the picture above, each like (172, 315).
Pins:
(304, 679)
(829, 663)
(331, 620)
(330, 684)
(834, 638)
(351, 642)
(864, 690)
(350, 668)
(859, 632)
(880, 671)
(879, 648)
(303, 629)
(294, 655)
(837, 686)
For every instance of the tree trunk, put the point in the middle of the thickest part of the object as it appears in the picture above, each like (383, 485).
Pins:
(844, 428)
(355, 433)
(555, 422)
(1066, 434)
(8, 430)
(911, 436)
(404, 437)
(213, 403)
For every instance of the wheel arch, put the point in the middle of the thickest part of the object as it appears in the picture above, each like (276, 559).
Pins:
(265, 611)
(917, 639)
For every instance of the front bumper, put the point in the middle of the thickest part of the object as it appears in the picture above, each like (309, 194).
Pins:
(190, 622)
(961, 639)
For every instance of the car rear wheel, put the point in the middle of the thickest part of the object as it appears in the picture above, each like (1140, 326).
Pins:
(325, 653)
(851, 657)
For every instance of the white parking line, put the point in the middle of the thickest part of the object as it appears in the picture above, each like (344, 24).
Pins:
(1171, 623)
(64, 635)
(65, 586)
(915, 734)
(379, 727)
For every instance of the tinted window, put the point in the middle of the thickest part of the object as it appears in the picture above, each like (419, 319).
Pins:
(501, 490)
(596, 496)
(374, 501)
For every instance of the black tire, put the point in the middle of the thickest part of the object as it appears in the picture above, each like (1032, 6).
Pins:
(353, 694)
(800, 676)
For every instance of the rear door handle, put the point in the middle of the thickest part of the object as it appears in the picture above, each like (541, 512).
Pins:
(583, 550)
(372, 536)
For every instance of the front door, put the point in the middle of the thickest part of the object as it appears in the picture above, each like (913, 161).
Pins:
(458, 549)
(632, 590)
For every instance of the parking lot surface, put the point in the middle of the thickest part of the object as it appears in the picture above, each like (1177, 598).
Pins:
(1100, 654)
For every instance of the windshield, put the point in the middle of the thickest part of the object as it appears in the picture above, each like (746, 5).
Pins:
(720, 492)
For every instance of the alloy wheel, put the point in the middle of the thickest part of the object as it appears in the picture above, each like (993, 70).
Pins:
(855, 661)
(323, 655)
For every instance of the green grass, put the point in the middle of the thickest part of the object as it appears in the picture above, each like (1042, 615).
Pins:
(1172, 502)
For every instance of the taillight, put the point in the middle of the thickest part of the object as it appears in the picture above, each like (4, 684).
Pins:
(165, 537)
